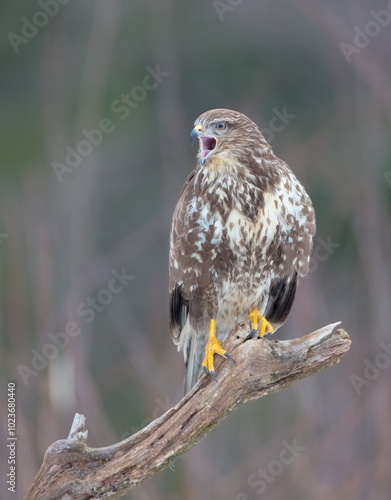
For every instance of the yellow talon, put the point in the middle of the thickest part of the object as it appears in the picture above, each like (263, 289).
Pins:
(264, 326)
(213, 347)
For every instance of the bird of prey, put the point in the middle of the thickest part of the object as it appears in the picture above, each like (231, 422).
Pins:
(241, 237)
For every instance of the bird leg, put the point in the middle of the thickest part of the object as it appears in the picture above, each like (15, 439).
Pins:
(213, 347)
(264, 326)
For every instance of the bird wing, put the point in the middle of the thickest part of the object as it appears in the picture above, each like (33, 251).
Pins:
(179, 304)
(191, 262)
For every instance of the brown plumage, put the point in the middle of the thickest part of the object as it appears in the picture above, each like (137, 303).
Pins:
(241, 236)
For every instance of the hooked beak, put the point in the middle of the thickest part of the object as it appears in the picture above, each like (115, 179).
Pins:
(207, 143)
(195, 133)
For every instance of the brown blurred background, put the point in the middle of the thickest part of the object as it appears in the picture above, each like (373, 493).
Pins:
(64, 235)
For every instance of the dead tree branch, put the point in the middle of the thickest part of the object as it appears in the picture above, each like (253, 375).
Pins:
(72, 470)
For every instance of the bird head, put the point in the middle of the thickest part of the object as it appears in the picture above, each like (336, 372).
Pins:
(222, 131)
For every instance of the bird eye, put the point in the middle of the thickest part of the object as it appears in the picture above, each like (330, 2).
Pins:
(221, 125)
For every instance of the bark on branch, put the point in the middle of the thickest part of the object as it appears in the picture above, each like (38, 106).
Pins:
(72, 470)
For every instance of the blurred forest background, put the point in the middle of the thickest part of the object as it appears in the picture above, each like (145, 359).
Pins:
(62, 236)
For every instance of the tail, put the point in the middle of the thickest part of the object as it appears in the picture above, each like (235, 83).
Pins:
(194, 352)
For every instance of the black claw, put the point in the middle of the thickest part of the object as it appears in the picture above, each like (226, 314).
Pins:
(205, 370)
(212, 373)
(253, 334)
(228, 356)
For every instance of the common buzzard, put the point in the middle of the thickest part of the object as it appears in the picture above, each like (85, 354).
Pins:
(241, 237)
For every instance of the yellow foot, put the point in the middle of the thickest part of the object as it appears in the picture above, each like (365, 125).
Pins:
(213, 347)
(264, 326)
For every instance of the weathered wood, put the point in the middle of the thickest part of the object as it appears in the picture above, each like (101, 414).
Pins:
(72, 470)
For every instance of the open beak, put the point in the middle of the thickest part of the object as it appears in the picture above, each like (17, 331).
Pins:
(207, 143)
